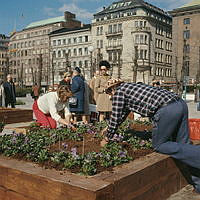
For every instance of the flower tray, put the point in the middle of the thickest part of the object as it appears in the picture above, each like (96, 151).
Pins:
(154, 176)
(15, 115)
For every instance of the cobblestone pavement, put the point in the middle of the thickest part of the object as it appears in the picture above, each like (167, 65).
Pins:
(184, 194)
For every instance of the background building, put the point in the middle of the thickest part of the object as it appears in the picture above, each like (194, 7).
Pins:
(186, 40)
(136, 37)
(69, 49)
(30, 49)
(4, 61)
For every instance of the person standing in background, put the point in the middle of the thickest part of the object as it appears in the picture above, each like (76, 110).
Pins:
(10, 94)
(93, 93)
(2, 95)
(104, 104)
(66, 79)
(35, 91)
(78, 90)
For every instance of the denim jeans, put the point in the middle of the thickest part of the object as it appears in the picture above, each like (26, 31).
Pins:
(171, 136)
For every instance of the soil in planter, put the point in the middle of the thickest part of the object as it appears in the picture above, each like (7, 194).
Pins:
(91, 144)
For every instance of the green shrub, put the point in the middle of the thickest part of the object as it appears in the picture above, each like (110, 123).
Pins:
(21, 92)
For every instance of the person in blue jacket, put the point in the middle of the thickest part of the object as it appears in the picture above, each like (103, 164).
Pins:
(78, 89)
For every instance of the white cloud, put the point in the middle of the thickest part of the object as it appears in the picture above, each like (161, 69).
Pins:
(80, 12)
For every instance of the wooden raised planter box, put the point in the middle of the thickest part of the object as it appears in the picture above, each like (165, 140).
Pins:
(154, 176)
(15, 115)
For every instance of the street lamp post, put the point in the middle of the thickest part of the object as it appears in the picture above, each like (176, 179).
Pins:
(90, 49)
(52, 68)
(184, 78)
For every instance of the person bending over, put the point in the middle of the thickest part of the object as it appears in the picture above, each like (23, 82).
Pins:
(169, 115)
(46, 107)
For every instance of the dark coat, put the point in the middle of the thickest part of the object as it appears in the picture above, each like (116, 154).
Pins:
(78, 89)
(10, 94)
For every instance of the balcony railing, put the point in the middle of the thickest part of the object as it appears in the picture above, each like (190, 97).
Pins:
(140, 28)
(114, 33)
(113, 47)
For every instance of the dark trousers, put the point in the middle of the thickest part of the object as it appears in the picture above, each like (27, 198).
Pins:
(12, 104)
(171, 137)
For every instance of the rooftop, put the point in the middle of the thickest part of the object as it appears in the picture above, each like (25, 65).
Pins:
(192, 3)
(64, 30)
(127, 4)
(46, 22)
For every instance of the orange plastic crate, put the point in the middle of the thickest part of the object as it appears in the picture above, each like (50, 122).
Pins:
(194, 126)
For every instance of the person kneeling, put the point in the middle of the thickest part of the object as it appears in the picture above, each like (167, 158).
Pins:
(46, 107)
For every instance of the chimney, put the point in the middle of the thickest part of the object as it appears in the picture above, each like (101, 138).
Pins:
(69, 16)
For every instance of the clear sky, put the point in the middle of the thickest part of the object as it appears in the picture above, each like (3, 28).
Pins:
(17, 14)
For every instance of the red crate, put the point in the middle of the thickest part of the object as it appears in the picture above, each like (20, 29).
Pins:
(194, 126)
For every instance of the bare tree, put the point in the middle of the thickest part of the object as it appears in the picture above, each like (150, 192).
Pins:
(40, 71)
(119, 64)
(135, 66)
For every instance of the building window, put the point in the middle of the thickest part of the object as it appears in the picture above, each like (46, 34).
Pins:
(86, 38)
(186, 21)
(101, 30)
(86, 63)
(101, 43)
(186, 34)
(141, 39)
(119, 27)
(75, 40)
(69, 52)
(80, 39)
(80, 64)
(75, 52)
(137, 39)
(86, 51)
(59, 42)
(141, 54)
(186, 48)
(98, 30)
(110, 29)
(64, 41)
(80, 51)
(145, 39)
(59, 54)
(114, 28)
(109, 56)
(64, 53)
(69, 41)
(187, 68)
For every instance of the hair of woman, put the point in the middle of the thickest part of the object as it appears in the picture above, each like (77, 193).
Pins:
(64, 93)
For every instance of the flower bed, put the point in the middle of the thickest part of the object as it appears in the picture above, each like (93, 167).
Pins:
(78, 151)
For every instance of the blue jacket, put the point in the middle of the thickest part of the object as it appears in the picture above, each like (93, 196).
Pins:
(78, 90)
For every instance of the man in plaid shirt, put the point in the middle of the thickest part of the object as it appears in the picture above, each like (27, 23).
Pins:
(169, 115)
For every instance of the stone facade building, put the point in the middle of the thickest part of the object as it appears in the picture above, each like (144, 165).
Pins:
(30, 49)
(186, 40)
(4, 70)
(69, 49)
(135, 36)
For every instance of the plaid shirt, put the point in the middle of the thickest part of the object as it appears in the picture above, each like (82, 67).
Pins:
(139, 98)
